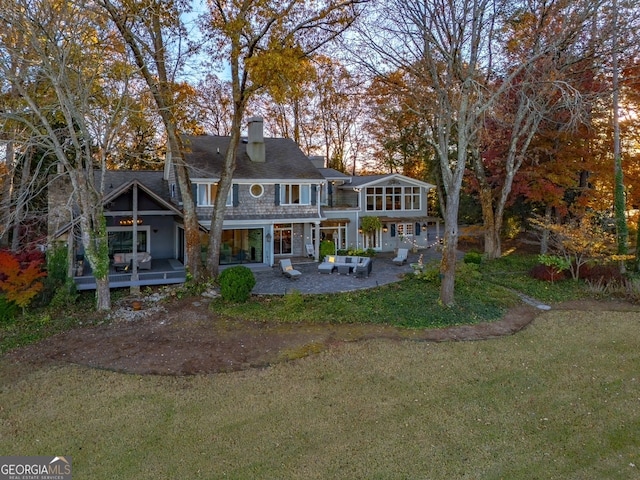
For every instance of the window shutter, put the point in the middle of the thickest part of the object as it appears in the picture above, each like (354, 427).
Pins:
(417, 229)
(235, 194)
(194, 192)
(277, 196)
(314, 194)
(393, 230)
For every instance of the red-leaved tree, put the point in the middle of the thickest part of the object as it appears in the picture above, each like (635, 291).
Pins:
(19, 281)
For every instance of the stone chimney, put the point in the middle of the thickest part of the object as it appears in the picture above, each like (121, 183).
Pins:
(255, 140)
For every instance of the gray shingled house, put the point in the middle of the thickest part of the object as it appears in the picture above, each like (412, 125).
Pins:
(280, 205)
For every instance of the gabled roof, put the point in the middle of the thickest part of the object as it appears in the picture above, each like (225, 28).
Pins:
(359, 182)
(284, 160)
(117, 182)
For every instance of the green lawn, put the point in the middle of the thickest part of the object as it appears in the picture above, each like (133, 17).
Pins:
(560, 400)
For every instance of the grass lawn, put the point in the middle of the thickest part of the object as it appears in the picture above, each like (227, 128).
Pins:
(560, 400)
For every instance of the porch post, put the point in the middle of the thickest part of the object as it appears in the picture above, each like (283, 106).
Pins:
(316, 246)
(135, 289)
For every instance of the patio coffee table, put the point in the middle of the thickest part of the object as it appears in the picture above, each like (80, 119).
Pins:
(345, 269)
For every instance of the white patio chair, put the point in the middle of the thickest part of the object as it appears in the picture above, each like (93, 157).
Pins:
(401, 257)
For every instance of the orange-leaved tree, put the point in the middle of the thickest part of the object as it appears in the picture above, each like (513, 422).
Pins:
(19, 281)
(579, 241)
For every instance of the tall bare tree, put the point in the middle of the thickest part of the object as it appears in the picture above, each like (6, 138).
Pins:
(445, 48)
(448, 50)
(62, 46)
(548, 39)
(145, 26)
(264, 42)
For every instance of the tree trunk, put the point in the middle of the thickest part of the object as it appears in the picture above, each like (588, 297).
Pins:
(546, 234)
(103, 294)
(217, 217)
(5, 196)
(450, 246)
(162, 94)
(190, 217)
(20, 202)
(492, 241)
(619, 201)
(95, 241)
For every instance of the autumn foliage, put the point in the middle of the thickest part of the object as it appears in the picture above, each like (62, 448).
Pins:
(579, 241)
(19, 276)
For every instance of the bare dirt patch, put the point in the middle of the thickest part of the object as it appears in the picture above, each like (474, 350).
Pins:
(182, 337)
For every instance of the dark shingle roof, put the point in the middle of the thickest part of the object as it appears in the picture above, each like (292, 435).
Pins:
(361, 180)
(152, 179)
(284, 160)
(333, 174)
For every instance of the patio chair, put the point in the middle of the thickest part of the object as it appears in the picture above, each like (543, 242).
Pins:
(288, 270)
(401, 257)
(310, 250)
(144, 261)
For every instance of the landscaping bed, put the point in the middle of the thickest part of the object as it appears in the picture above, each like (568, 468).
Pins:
(183, 337)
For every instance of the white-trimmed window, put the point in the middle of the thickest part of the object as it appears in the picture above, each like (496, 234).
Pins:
(391, 198)
(405, 229)
(295, 194)
(206, 194)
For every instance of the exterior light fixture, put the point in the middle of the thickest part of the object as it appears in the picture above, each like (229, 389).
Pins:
(127, 222)
(385, 229)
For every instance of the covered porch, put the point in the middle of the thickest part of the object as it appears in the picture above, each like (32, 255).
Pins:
(162, 272)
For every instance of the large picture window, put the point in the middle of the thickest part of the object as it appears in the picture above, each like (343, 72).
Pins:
(121, 239)
(241, 246)
(295, 194)
(392, 198)
(206, 194)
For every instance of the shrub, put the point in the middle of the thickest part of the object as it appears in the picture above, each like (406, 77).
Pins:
(429, 273)
(327, 248)
(473, 257)
(546, 273)
(357, 252)
(57, 263)
(604, 273)
(236, 284)
(19, 276)
(8, 310)
(65, 296)
(554, 267)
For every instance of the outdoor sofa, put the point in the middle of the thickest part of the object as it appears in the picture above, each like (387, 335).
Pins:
(123, 260)
(346, 264)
